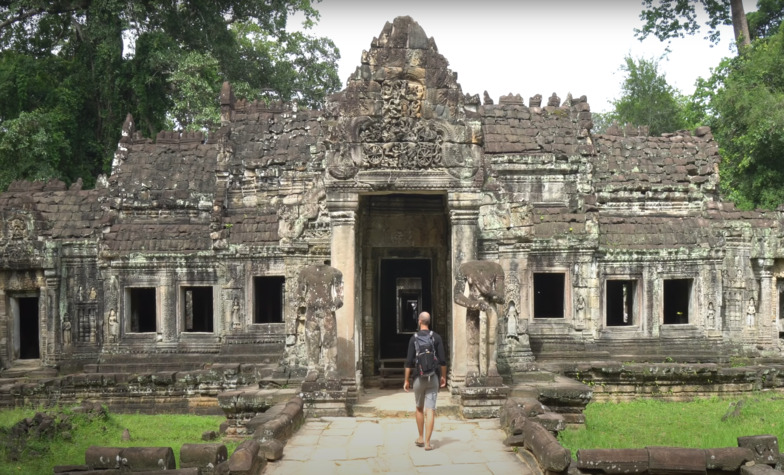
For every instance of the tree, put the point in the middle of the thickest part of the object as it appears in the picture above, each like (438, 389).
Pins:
(647, 99)
(78, 67)
(766, 20)
(667, 19)
(744, 102)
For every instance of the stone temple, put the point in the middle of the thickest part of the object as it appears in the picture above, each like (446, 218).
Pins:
(186, 258)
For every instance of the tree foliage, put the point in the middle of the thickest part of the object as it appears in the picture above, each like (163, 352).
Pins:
(668, 19)
(744, 104)
(647, 99)
(71, 70)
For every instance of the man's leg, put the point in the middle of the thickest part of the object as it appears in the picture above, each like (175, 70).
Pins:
(431, 396)
(419, 402)
(430, 419)
(420, 421)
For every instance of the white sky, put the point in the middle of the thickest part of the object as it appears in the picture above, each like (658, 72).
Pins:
(526, 47)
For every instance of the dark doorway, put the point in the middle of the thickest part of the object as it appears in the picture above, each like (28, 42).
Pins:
(29, 347)
(142, 309)
(197, 306)
(404, 291)
(620, 302)
(549, 295)
(268, 299)
(677, 293)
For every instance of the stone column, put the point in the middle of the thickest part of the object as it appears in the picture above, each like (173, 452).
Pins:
(167, 295)
(343, 249)
(49, 324)
(766, 315)
(463, 219)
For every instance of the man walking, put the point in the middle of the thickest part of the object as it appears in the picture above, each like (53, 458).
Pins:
(426, 357)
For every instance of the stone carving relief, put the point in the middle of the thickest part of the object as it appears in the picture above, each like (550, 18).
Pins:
(321, 294)
(114, 327)
(479, 287)
(300, 210)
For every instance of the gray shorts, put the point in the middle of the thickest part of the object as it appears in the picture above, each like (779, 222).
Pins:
(426, 391)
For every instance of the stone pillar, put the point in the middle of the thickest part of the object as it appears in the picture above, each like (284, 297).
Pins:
(166, 294)
(463, 219)
(49, 325)
(343, 249)
(766, 316)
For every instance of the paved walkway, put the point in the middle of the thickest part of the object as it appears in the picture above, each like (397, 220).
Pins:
(385, 444)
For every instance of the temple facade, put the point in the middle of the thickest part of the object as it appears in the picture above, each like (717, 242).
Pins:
(613, 247)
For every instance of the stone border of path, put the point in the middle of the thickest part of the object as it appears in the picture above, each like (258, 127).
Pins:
(530, 425)
(268, 435)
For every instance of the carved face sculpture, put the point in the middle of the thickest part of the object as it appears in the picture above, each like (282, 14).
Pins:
(17, 228)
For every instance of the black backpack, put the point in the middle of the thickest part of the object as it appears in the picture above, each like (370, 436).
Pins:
(426, 359)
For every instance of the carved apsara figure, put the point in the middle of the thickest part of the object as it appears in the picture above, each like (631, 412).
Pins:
(321, 294)
(711, 317)
(67, 333)
(485, 283)
(235, 314)
(751, 312)
(114, 327)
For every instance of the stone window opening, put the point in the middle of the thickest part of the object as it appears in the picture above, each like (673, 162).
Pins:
(268, 299)
(677, 301)
(780, 316)
(620, 302)
(26, 327)
(549, 293)
(142, 309)
(197, 310)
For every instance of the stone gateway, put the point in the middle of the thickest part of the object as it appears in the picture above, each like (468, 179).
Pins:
(193, 252)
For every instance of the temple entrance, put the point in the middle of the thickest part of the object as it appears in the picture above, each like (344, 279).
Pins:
(25, 327)
(404, 291)
(406, 270)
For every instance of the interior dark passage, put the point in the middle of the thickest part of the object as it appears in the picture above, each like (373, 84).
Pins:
(268, 299)
(198, 309)
(404, 291)
(549, 295)
(620, 302)
(676, 301)
(29, 347)
(143, 309)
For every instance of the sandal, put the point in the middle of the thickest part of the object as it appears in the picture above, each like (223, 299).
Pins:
(419, 444)
(429, 447)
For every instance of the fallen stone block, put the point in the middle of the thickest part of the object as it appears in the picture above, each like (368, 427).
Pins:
(765, 448)
(550, 454)
(727, 459)
(272, 450)
(676, 461)
(146, 459)
(246, 460)
(551, 421)
(102, 458)
(202, 456)
(613, 460)
(759, 469)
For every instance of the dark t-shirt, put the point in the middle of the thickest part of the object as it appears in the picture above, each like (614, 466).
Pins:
(439, 344)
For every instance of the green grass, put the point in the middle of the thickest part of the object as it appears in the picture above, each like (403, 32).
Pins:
(161, 430)
(703, 423)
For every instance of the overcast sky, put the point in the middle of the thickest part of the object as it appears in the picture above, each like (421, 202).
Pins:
(526, 47)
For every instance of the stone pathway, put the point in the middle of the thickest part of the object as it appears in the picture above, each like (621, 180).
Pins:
(361, 445)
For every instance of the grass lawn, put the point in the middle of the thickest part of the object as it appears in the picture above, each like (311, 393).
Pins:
(703, 423)
(160, 430)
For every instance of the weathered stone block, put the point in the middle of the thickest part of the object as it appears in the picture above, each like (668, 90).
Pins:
(676, 460)
(103, 458)
(727, 459)
(142, 459)
(613, 460)
(246, 460)
(550, 454)
(202, 455)
(764, 447)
